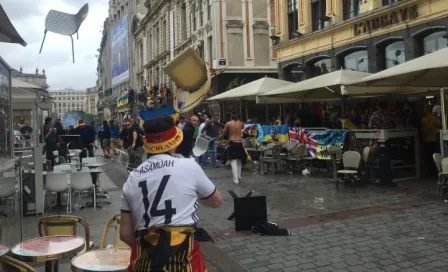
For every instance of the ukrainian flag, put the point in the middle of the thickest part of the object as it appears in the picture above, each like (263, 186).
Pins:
(280, 131)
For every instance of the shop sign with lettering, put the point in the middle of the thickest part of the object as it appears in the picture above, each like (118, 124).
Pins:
(385, 20)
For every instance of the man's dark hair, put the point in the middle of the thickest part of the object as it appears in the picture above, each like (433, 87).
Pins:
(105, 123)
(181, 118)
(234, 116)
(48, 120)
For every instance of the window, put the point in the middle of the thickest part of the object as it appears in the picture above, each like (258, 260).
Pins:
(157, 79)
(183, 19)
(357, 61)
(210, 51)
(292, 18)
(150, 47)
(142, 61)
(435, 41)
(201, 14)
(318, 13)
(394, 54)
(209, 10)
(293, 73)
(320, 67)
(157, 41)
(351, 8)
(163, 37)
(193, 15)
(389, 2)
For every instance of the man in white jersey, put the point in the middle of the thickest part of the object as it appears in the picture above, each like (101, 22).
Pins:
(159, 203)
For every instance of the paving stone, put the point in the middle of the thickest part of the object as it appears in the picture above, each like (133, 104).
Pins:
(260, 269)
(275, 266)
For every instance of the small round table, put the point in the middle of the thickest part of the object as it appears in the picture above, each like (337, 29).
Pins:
(3, 250)
(102, 260)
(48, 250)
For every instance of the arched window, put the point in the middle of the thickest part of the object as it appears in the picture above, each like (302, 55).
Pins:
(394, 54)
(357, 61)
(320, 67)
(293, 73)
(435, 41)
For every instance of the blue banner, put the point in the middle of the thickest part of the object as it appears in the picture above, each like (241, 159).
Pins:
(120, 52)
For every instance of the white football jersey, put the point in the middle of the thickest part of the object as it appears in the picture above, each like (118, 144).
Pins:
(163, 191)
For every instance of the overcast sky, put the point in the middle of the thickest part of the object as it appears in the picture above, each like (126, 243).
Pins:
(28, 17)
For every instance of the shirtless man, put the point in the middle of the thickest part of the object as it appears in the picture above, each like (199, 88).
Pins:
(235, 150)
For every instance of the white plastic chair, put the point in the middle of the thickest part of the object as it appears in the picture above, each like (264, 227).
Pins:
(65, 24)
(57, 182)
(80, 182)
(8, 188)
(201, 145)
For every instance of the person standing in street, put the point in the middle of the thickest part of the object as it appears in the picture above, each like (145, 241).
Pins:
(235, 151)
(105, 141)
(87, 140)
(186, 146)
(114, 138)
(159, 204)
(26, 132)
(50, 138)
(136, 144)
(181, 123)
(211, 131)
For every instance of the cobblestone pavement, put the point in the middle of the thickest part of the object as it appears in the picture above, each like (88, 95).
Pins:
(370, 229)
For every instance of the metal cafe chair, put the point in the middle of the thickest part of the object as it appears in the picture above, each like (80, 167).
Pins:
(64, 225)
(114, 222)
(12, 265)
(65, 24)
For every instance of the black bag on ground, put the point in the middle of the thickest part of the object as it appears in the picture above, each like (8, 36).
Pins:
(269, 228)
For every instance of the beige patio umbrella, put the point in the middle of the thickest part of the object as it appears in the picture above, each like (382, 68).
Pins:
(418, 75)
(252, 89)
(326, 87)
(415, 76)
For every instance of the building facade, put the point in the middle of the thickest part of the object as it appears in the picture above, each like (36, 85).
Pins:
(230, 35)
(316, 37)
(33, 78)
(91, 101)
(68, 100)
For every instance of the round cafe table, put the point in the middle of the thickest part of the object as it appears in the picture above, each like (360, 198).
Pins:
(102, 260)
(3, 250)
(48, 250)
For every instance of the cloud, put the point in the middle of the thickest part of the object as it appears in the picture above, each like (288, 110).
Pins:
(56, 57)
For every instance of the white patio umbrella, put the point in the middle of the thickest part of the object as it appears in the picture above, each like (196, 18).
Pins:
(250, 90)
(415, 76)
(326, 87)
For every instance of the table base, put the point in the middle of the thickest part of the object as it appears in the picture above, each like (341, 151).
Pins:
(52, 266)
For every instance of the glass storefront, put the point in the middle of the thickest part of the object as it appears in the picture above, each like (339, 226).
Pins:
(395, 54)
(435, 41)
(357, 61)
(5, 109)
